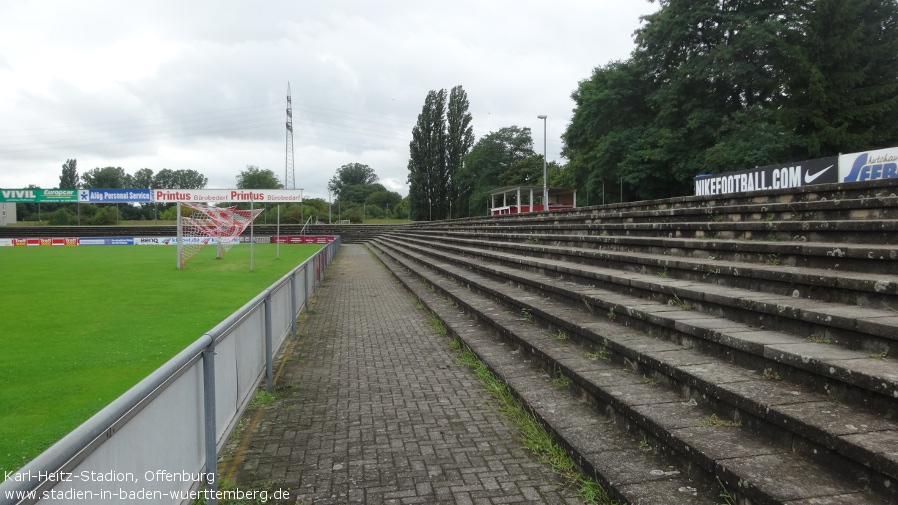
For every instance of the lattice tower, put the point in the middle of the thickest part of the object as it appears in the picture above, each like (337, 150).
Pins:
(289, 176)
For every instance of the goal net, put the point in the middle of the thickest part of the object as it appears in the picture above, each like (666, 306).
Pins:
(200, 225)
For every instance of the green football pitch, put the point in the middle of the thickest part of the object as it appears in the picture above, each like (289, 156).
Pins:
(79, 326)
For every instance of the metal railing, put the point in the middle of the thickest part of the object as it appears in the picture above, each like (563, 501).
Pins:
(302, 231)
(157, 440)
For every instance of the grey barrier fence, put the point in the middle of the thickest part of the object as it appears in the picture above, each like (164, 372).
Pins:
(159, 441)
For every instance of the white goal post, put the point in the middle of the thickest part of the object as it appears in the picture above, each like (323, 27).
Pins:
(200, 225)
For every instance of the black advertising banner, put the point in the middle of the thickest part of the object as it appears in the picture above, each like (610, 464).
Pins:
(793, 175)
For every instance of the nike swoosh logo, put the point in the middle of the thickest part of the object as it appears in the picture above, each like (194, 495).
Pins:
(809, 177)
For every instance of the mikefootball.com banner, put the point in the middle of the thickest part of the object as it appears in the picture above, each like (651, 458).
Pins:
(819, 171)
(854, 167)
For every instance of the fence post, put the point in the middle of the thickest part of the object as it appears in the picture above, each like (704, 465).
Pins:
(269, 359)
(305, 284)
(210, 423)
(293, 309)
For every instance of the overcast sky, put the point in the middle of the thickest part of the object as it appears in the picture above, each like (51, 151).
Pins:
(202, 85)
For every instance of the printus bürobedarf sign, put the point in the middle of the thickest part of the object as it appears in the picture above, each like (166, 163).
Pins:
(228, 195)
(794, 175)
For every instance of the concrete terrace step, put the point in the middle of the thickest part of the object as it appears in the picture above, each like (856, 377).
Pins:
(828, 256)
(825, 210)
(862, 231)
(627, 470)
(868, 289)
(765, 470)
(835, 256)
(871, 330)
(830, 369)
(823, 367)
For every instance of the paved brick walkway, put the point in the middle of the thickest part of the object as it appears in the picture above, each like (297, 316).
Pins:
(375, 410)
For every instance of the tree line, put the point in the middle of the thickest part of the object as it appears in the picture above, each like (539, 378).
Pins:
(722, 85)
(359, 196)
(712, 86)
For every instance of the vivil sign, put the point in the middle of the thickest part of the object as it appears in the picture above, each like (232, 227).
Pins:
(37, 195)
(869, 166)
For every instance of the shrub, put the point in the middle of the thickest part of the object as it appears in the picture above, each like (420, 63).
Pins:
(62, 217)
(105, 216)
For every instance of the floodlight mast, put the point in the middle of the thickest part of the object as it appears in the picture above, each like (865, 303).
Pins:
(545, 184)
(289, 174)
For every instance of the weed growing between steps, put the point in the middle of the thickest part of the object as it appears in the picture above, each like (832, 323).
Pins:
(534, 436)
(728, 497)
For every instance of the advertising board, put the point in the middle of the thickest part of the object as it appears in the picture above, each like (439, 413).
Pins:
(227, 195)
(869, 166)
(303, 239)
(793, 175)
(115, 196)
(37, 195)
(106, 241)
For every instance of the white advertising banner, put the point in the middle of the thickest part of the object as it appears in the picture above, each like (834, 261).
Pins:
(227, 195)
(869, 166)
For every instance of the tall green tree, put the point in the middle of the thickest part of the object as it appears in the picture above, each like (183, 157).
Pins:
(427, 159)
(460, 139)
(499, 158)
(359, 193)
(106, 178)
(350, 182)
(842, 95)
(179, 179)
(256, 178)
(441, 138)
(717, 66)
(720, 85)
(69, 178)
(384, 199)
(611, 136)
(143, 178)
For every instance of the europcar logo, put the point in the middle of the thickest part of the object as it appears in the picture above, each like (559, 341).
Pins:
(867, 168)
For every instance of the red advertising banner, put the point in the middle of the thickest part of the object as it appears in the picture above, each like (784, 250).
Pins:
(45, 241)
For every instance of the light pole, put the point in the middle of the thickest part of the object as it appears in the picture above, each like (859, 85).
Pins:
(545, 183)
